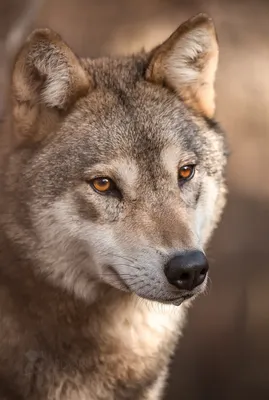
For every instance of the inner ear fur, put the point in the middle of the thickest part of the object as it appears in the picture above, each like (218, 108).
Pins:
(46, 75)
(187, 62)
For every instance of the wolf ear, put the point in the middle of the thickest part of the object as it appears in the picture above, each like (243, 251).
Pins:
(187, 63)
(46, 75)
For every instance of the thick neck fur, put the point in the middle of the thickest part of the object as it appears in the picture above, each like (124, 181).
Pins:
(65, 333)
(44, 328)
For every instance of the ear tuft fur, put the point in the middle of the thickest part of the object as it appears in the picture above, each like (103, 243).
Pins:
(47, 71)
(187, 63)
(47, 76)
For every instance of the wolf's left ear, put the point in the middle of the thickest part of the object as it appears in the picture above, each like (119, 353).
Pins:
(187, 63)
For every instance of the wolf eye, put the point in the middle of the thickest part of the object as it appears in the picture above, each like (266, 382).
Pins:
(186, 172)
(102, 185)
(105, 186)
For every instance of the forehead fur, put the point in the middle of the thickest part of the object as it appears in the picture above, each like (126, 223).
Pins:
(117, 73)
(123, 118)
(124, 113)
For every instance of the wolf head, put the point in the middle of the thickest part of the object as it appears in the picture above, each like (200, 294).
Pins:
(115, 170)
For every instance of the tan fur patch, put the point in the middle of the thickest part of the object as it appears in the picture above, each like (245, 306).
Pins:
(173, 157)
(187, 62)
(46, 72)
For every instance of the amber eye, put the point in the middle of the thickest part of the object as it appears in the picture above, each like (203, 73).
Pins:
(186, 173)
(102, 185)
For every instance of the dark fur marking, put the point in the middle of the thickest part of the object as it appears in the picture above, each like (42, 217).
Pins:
(86, 209)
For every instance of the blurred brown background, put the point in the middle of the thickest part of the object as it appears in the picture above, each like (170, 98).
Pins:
(224, 353)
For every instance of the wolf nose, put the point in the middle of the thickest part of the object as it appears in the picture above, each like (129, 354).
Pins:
(187, 270)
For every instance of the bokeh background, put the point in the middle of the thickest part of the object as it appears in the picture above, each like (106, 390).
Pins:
(224, 353)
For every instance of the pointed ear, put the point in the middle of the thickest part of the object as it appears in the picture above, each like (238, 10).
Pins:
(187, 63)
(46, 75)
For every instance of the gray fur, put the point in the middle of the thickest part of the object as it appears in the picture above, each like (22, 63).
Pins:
(86, 310)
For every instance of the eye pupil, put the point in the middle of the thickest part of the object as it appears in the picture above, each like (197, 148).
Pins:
(186, 173)
(101, 184)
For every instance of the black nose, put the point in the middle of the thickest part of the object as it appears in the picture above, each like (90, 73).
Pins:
(187, 270)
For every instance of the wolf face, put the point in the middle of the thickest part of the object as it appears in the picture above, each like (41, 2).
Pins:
(118, 168)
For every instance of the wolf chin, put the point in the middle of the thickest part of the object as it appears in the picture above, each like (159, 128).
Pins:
(111, 184)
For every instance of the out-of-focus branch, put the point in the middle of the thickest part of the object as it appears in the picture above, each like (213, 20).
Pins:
(21, 27)
(17, 17)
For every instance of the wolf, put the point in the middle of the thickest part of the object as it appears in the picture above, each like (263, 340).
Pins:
(112, 181)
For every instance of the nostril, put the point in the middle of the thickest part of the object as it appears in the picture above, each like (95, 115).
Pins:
(201, 276)
(203, 272)
(185, 276)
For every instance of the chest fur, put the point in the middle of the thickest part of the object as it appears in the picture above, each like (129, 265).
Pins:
(119, 355)
(147, 328)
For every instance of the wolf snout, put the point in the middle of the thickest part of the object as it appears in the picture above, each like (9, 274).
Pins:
(187, 269)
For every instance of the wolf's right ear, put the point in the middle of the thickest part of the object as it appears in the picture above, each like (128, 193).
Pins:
(187, 61)
(46, 75)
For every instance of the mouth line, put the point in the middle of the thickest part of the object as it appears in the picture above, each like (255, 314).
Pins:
(126, 287)
(119, 278)
(187, 296)
(179, 298)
